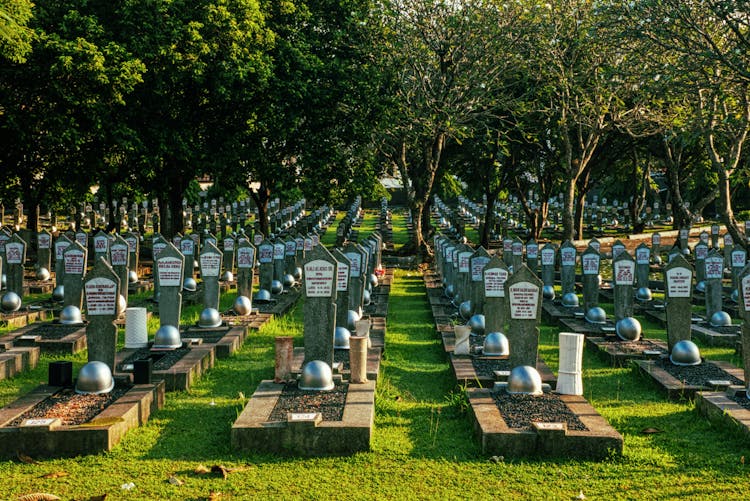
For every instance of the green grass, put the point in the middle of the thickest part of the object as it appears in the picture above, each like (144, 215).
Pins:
(423, 445)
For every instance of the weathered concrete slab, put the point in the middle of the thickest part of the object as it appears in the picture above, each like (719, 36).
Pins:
(719, 407)
(678, 390)
(620, 353)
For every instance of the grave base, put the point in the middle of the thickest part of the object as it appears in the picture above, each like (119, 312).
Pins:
(611, 349)
(23, 318)
(182, 374)
(719, 408)
(50, 337)
(716, 337)
(373, 363)
(466, 374)
(17, 360)
(100, 434)
(546, 440)
(581, 326)
(225, 339)
(676, 389)
(309, 436)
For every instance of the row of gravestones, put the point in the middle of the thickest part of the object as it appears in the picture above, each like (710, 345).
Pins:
(350, 219)
(385, 222)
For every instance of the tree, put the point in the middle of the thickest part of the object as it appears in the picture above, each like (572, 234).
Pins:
(15, 35)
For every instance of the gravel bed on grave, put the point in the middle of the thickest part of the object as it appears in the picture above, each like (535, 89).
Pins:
(167, 360)
(53, 331)
(70, 407)
(743, 401)
(635, 346)
(696, 375)
(208, 336)
(342, 356)
(519, 411)
(486, 367)
(722, 329)
(329, 403)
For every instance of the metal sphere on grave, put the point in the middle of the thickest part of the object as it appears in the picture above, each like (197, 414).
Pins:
(195, 264)
(228, 276)
(190, 285)
(122, 304)
(686, 251)
(657, 260)
(701, 286)
(341, 338)
(372, 279)
(276, 287)
(288, 281)
(599, 280)
(570, 300)
(132, 277)
(262, 296)
(476, 323)
(735, 296)
(167, 337)
(58, 293)
(496, 345)
(71, 315)
(465, 309)
(352, 317)
(685, 352)
(316, 376)
(3, 281)
(643, 294)
(242, 306)
(548, 292)
(297, 273)
(525, 380)
(95, 378)
(720, 319)
(366, 298)
(628, 329)
(450, 291)
(42, 274)
(368, 287)
(209, 318)
(596, 315)
(11, 301)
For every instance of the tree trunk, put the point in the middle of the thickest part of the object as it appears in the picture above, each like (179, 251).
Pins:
(725, 209)
(680, 215)
(541, 219)
(489, 220)
(569, 196)
(261, 197)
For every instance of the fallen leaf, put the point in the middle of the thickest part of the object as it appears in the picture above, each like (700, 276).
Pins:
(175, 481)
(217, 468)
(26, 459)
(201, 470)
(581, 495)
(213, 496)
(56, 474)
(38, 496)
(650, 431)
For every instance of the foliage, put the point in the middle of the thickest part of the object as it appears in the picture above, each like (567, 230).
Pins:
(15, 35)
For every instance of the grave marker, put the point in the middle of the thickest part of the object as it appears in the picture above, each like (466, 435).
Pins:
(118, 254)
(15, 257)
(532, 255)
(44, 250)
(678, 292)
(343, 266)
(133, 241)
(319, 310)
(714, 272)
(623, 275)
(210, 262)
(74, 259)
(187, 249)
(102, 290)
(477, 263)
(101, 246)
(548, 254)
(590, 260)
(568, 267)
(246, 253)
(744, 310)
(494, 276)
(642, 260)
(169, 269)
(265, 258)
(61, 244)
(524, 309)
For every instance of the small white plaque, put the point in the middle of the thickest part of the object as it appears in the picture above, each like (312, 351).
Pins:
(169, 270)
(210, 264)
(524, 301)
(494, 282)
(624, 272)
(101, 296)
(319, 278)
(679, 282)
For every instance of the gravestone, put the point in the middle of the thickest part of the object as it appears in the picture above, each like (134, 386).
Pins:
(744, 310)
(623, 276)
(210, 262)
(516, 249)
(159, 244)
(83, 239)
(464, 271)
(245, 265)
(715, 236)
(133, 241)
(642, 260)
(617, 247)
(118, 258)
(357, 262)
(523, 291)
(265, 260)
(101, 246)
(728, 248)
(714, 264)
(678, 292)
(494, 276)
(656, 246)
(596, 244)
(4, 237)
(739, 259)
(187, 249)
(319, 309)
(279, 264)
(44, 250)
(590, 260)
(290, 255)
(343, 266)
(568, 267)
(15, 257)
(532, 256)
(169, 267)
(74, 259)
(548, 255)
(102, 290)
(61, 244)
(229, 252)
(700, 252)
(477, 262)
(508, 251)
(300, 241)
(684, 235)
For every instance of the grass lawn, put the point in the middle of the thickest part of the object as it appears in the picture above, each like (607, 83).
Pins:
(423, 445)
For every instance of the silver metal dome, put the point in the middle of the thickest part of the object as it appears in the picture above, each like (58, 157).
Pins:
(122, 304)
(42, 274)
(701, 286)
(288, 281)
(450, 291)
(735, 296)
(210, 317)
(496, 345)
(189, 284)
(628, 329)
(341, 338)
(242, 305)
(167, 338)
(276, 287)
(351, 319)
(372, 280)
(721, 319)
(366, 298)
(227, 276)
(316, 376)
(526, 380)
(262, 296)
(71, 315)
(95, 378)
(132, 277)
(643, 294)
(570, 300)
(476, 323)
(465, 309)
(58, 294)
(297, 273)
(548, 292)
(596, 315)
(11, 301)
(685, 352)
(657, 260)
